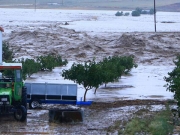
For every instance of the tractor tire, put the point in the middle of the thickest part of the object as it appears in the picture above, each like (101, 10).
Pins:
(34, 104)
(24, 97)
(20, 113)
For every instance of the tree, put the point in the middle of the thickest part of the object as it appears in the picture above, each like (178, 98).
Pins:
(30, 66)
(151, 11)
(48, 62)
(59, 61)
(135, 13)
(138, 10)
(173, 80)
(92, 74)
(87, 74)
(126, 14)
(119, 13)
(112, 70)
(127, 62)
(7, 55)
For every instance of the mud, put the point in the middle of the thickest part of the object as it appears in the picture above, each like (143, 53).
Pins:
(99, 118)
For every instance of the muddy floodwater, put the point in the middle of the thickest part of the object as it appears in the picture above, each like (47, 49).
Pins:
(89, 35)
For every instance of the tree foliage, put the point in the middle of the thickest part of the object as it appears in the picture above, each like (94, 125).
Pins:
(30, 66)
(42, 63)
(7, 55)
(87, 74)
(119, 13)
(135, 13)
(92, 74)
(173, 80)
(48, 62)
(138, 11)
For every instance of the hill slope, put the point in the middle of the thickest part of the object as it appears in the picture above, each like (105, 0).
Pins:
(165, 5)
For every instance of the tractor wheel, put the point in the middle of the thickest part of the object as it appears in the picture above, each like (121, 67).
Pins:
(34, 103)
(20, 113)
(24, 97)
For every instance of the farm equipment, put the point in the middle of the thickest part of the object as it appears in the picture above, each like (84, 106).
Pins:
(13, 96)
(50, 93)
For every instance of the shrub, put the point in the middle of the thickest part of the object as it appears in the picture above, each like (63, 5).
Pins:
(135, 13)
(119, 13)
(151, 11)
(159, 124)
(126, 14)
(138, 10)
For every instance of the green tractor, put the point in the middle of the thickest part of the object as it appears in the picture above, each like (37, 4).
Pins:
(13, 94)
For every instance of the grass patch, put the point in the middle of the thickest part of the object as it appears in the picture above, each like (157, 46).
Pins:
(157, 125)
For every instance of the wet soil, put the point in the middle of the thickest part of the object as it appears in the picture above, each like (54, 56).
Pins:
(99, 118)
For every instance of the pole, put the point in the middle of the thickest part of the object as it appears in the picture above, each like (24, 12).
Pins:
(155, 15)
(35, 5)
(0, 48)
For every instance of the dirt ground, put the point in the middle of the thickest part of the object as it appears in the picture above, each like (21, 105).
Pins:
(100, 117)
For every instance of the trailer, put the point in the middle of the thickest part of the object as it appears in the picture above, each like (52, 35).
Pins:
(50, 93)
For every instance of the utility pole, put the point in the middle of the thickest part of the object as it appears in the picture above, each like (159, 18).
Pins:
(0, 47)
(155, 15)
(35, 5)
(62, 2)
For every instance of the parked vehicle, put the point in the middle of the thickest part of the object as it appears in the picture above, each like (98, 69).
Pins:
(50, 93)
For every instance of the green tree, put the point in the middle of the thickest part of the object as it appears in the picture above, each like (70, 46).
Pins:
(151, 11)
(127, 62)
(126, 14)
(173, 80)
(119, 13)
(93, 74)
(7, 55)
(111, 70)
(30, 66)
(59, 61)
(48, 62)
(87, 74)
(135, 13)
(139, 10)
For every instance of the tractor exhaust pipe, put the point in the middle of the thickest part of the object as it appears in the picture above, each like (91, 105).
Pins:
(1, 30)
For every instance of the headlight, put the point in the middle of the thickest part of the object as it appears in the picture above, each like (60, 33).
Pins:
(7, 103)
(1, 103)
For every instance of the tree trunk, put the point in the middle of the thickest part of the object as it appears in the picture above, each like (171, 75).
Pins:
(85, 95)
(95, 90)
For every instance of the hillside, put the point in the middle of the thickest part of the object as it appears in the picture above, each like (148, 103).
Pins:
(161, 5)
